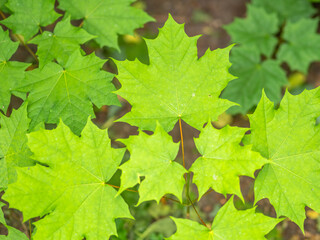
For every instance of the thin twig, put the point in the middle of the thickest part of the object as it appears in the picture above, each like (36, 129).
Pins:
(2, 15)
(197, 213)
(129, 190)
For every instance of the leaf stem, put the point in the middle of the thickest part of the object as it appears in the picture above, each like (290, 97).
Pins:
(182, 145)
(30, 228)
(81, 24)
(21, 40)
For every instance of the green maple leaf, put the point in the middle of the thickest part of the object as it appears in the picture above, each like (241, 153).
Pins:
(60, 44)
(287, 10)
(290, 138)
(229, 224)
(153, 157)
(68, 93)
(302, 44)
(13, 145)
(11, 73)
(29, 15)
(69, 188)
(254, 76)
(106, 19)
(176, 84)
(223, 160)
(256, 31)
(13, 234)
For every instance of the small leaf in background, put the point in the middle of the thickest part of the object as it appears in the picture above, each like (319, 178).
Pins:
(68, 93)
(256, 31)
(223, 160)
(254, 76)
(229, 224)
(29, 15)
(11, 72)
(153, 157)
(13, 145)
(290, 138)
(106, 19)
(60, 44)
(287, 10)
(302, 44)
(69, 186)
(296, 79)
(176, 84)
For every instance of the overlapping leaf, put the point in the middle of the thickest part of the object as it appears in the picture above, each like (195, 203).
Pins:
(229, 224)
(290, 138)
(176, 84)
(287, 10)
(153, 157)
(70, 185)
(68, 93)
(29, 15)
(60, 44)
(223, 160)
(11, 73)
(256, 31)
(13, 234)
(106, 19)
(254, 76)
(13, 145)
(302, 44)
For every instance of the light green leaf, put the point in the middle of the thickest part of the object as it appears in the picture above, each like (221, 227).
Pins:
(69, 189)
(13, 234)
(11, 73)
(13, 145)
(287, 10)
(68, 93)
(256, 31)
(60, 44)
(29, 15)
(290, 138)
(223, 160)
(153, 157)
(106, 19)
(254, 76)
(176, 84)
(229, 224)
(302, 44)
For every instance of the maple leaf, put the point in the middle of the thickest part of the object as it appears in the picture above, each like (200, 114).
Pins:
(13, 234)
(68, 93)
(256, 31)
(60, 44)
(29, 15)
(153, 157)
(13, 145)
(70, 185)
(223, 160)
(290, 138)
(176, 84)
(254, 76)
(11, 72)
(286, 10)
(229, 224)
(106, 18)
(302, 44)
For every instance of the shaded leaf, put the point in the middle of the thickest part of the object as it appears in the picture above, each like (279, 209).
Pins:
(29, 15)
(68, 93)
(254, 76)
(106, 19)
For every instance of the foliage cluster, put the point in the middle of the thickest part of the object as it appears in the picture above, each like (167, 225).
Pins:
(65, 175)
